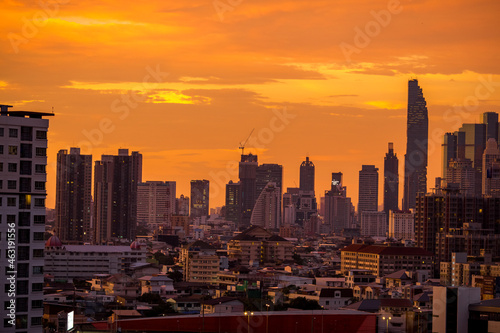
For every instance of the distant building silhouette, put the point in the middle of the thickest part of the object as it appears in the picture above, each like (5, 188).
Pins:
(182, 205)
(115, 196)
(307, 175)
(233, 202)
(156, 203)
(248, 175)
(267, 208)
(491, 169)
(416, 146)
(368, 189)
(73, 196)
(269, 173)
(200, 196)
(391, 180)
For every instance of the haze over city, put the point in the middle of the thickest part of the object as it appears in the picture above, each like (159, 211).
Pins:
(185, 84)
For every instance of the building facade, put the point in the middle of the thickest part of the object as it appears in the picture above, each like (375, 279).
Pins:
(391, 180)
(74, 196)
(368, 189)
(156, 203)
(401, 224)
(200, 196)
(23, 145)
(307, 175)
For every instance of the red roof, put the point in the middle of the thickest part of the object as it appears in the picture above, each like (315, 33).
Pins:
(387, 250)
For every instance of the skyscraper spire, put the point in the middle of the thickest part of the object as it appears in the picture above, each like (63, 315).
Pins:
(416, 145)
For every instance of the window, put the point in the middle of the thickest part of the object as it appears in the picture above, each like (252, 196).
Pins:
(38, 253)
(23, 270)
(39, 202)
(37, 304)
(26, 150)
(23, 236)
(1, 149)
(38, 236)
(22, 304)
(11, 184)
(39, 219)
(13, 132)
(26, 133)
(39, 168)
(24, 219)
(25, 201)
(41, 151)
(12, 150)
(21, 321)
(11, 202)
(37, 270)
(6, 322)
(22, 287)
(25, 185)
(37, 287)
(23, 252)
(1, 166)
(12, 167)
(36, 321)
(41, 135)
(11, 218)
(40, 186)
(1, 131)
(25, 168)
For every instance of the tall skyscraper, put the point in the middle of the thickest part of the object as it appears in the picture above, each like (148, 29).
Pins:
(337, 206)
(233, 202)
(267, 208)
(416, 146)
(307, 175)
(116, 178)
(156, 203)
(490, 119)
(269, 173)
(23, 143)
(247, 175)
(391, 181)
(368, 189)
(73, 196)
(462, 175)
(475, 144)
(491, 169)
(200, 195)
(182, 205)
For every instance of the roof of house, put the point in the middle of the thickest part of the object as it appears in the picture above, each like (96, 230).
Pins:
(401, 275)
(199, 244)
(374, 305)
(221, 300)
(387, 250)
(127, 313)
(491, 305)
(423, 297)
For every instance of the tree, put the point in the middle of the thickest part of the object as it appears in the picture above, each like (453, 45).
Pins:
(176, 276)
(304, 304)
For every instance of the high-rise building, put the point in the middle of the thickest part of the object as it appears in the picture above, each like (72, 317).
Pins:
(156, 203)
(491, 169)
(461, 173)
(73, 196)
(391, 180)
(373, 224)
(307, 175)
(475, 144)
(337, 206)
(116, 178)
(182, 205)
(305, 207)
(247, 175)
(233, 202)
(453, 148)
(490, 119)
(269, 173)
(368, 189)
(401, 224)
(416, 146)
(200, 190)
(266, 213)
(23, 144)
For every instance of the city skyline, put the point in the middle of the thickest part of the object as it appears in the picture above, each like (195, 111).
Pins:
(193, 111)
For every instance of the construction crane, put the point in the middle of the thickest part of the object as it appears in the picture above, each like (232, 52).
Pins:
(242, 145)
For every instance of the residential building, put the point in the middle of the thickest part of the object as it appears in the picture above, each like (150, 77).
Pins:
(257, 246)
(200, 261)
(74, 196)
(382, 260)
(233, 202)
(491, 169)
(247, 174)
(401, 224)
(182, 205)
(23, 147)
(200, 195)
(266, 212)
(368, 189)
(115, 196)
(156, 203)
(374, 224)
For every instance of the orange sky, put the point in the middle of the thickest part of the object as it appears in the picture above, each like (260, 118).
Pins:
(185, 82)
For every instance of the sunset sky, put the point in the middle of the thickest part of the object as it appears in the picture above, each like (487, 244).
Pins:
(184, 82)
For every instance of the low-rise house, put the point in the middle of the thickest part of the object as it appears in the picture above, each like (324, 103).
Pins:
(159, 284)
(223, 305)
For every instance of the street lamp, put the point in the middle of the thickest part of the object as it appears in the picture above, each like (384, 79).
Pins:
(387, 322)
(267, 318)
(248, 314)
